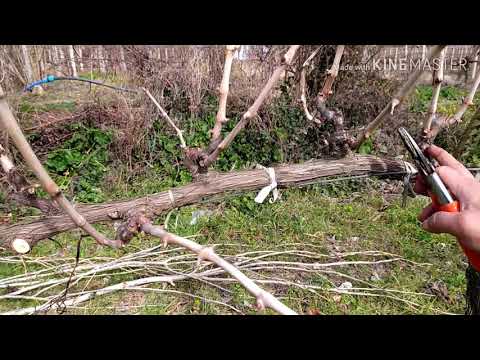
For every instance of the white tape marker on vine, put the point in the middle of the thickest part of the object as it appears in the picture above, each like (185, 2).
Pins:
(409, 168)
(263, 193)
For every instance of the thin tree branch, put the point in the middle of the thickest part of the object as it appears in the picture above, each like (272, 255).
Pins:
(264, 298)
(183, 145)
(340, 137)
(437, 80)
(440, 122)
(399, 97)
(252, 111)
(468, 101)
(224, 87)
(303, 86)
(332, 74)
(10, 125)
(33, 284)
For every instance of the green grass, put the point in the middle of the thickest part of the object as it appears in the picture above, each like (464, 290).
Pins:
(27, 107)
(109, 78)
(302, 216)
(449, 99)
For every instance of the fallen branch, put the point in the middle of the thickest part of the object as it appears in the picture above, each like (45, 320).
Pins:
(399, 97)
(217, 184)
(172, 266)
(264, 298)
(10, 125)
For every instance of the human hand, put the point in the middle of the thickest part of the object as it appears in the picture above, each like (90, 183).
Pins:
(464, 225)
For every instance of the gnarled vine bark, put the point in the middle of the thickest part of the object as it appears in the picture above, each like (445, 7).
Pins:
(212, 186)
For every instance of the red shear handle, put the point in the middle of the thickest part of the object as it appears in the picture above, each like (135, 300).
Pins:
(473, 256)
(450, 207)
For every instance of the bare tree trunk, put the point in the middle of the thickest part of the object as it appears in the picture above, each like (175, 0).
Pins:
(29, 70)
(123, 64)
(41, 62)
(61, 54)
(37, 71)
(309, 172)
(101, 59)
(49, 54)
(27, 63)
(55, 56)
(71, 58)
(475, 63)
(80, 58)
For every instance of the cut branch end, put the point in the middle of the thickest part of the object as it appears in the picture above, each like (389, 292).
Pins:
(21, 246)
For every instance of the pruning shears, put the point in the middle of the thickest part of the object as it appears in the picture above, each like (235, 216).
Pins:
(442, 199)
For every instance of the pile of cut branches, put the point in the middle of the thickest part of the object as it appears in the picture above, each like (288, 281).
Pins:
(276, 269)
